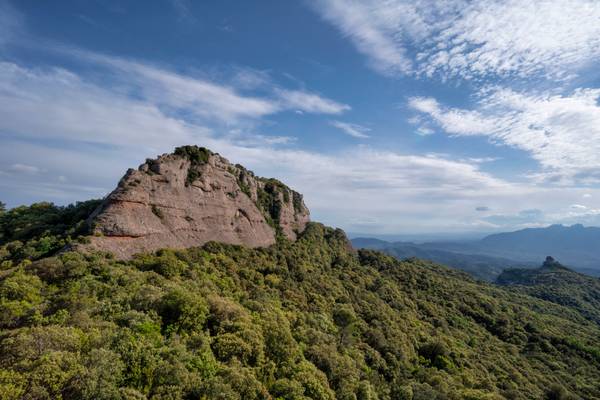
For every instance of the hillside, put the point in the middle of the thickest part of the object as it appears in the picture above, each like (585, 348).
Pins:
(558, 284)
(309, 318)
(477, 265)
(305, 319)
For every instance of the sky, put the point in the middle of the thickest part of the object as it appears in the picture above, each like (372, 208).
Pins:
(391, 117)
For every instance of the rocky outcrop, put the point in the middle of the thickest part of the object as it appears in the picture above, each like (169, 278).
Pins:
(191, 197)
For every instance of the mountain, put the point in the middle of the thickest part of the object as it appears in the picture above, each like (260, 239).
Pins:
(477, 265)
(558, 284)
(306, 317)
(189, 198)
(576, 246)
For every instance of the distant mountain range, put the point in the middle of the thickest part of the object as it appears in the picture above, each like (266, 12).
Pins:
(576, 246)
(480, 266)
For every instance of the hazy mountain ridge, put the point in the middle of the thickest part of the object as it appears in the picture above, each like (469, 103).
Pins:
(478, 265)
(576, 246)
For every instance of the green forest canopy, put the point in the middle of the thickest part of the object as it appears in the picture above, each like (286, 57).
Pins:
(298, 320)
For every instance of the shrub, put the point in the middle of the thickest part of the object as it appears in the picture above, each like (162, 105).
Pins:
(182, 311)
(157, 211)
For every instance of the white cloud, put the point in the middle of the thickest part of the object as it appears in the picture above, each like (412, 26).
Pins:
(354, 130)
(561, 132)
(424, 131)
(480, 160)
(456, 121)
(470, 38)
(309, 102)
(167, 107)
(578, 207)
(208, 99)
(405, 193)
(92, 134)
(24, 169)
(68, 108)
(372, 37)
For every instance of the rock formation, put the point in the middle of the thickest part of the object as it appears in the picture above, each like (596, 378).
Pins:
(191, 197)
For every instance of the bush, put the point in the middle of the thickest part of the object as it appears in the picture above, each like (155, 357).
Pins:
(182, 311)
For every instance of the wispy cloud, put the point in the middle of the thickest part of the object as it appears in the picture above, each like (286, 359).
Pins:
(167, 107)
(11, 23)
(470, 39)
(24, 169)
(309, 102)
(354, 130)
(92, 134)
(216, 99)
(183, 10)
(372, 36)
(561, 132)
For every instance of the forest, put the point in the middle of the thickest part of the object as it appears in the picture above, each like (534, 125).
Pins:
(310, 319)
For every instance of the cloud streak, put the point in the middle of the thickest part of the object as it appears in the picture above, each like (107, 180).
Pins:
(354, 130)
(470, 39)
(561, 132)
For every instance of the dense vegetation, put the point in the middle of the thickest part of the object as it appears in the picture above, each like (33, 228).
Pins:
(558, 284)
(308, 319)
(32, 232)
(197, 156)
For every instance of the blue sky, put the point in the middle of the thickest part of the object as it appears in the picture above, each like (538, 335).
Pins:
(390, 116)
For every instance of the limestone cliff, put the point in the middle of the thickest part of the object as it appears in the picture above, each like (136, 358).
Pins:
(191, 197)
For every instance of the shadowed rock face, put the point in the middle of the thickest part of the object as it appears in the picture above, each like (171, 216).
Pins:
(191, 197)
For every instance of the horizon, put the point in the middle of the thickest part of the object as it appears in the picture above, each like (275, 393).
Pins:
(390, 118)
(434, 237)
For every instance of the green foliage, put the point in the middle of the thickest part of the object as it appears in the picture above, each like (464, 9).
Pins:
(197, 156)
(241, 180)
(309, 319)
(192, 175)
(557, 284)
(557, 392)
(157, 211)
(297, 201)
(41, 229)
(270, 200)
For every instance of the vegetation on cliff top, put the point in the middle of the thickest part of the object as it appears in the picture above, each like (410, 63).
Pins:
(197, 156)
(308, 319)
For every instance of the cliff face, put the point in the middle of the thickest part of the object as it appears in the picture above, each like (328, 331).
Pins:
(191, 197)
